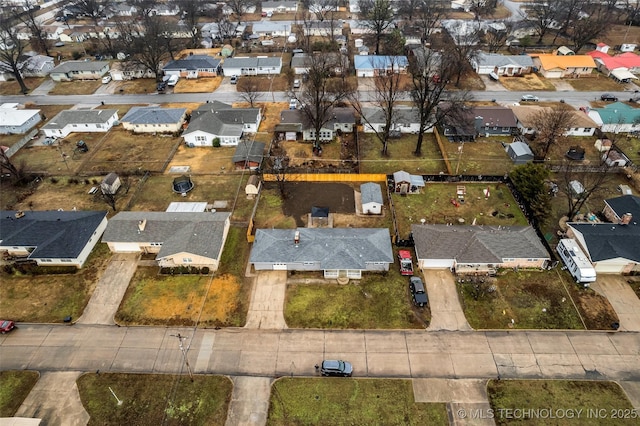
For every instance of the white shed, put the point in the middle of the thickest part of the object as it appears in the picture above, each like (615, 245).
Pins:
(110, 184)
(371, 198)
(253, 186)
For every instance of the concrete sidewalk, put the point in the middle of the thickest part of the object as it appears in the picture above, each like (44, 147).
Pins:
(267, 301)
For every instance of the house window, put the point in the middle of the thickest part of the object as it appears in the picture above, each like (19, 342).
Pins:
(156, 244)
(46, 260)
(186, 260)
(509, 259)
(74, 125)
(505, 129)
(66, 260)
(201, 138)
(495, 127)
(587, 129)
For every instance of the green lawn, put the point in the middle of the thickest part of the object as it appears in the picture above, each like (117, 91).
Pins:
(630, 147)
(50, 298)
(485, 156)
(338, 401)
(14, 388)
(571, 402)
(221, 300)
(400, 155)
(378, 301)
(533, 299)
(435, 206)
(154, 399)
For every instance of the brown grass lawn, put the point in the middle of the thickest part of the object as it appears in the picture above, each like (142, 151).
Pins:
(271, 115)
(197, 85)
(13, 88)
(400, 155)
(631, 148)
(46, 112)
(51, 297)
(275, 83)
(301, 154)
(65, 192)
(558, 151)
(123, 151)
(87, 87)
(157, 193)
(136, 86)
(49, 159)
(205, 160)
(190, 106)
(526, 83)
(595, 84)
(434, 205)
(484, 156)
(617, 34)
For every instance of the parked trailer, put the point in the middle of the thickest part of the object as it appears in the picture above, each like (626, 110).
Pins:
(576, 261)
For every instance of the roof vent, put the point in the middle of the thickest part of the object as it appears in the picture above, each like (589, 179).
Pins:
(19, 214)
(142, 224)
(296, 238)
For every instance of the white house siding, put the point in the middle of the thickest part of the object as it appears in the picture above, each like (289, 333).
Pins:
(152, 128)
(188, 259)
(365, 73)
(372, 208)
(200, 138)
(552, 73)
(325, 135)
(5, 130)
(125, 247)
(84, 128)
(436, 263)
(581, 131)
(611, 266)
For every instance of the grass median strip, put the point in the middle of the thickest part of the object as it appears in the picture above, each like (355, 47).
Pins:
(14, 388)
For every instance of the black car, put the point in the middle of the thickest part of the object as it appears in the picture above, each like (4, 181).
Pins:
(609, 97)
(161, 87)
(338, 368)
(418, 294)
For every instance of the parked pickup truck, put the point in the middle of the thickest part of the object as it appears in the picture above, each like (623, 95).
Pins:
(406, 263)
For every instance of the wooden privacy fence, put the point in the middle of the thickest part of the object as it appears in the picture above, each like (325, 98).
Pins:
(328, 177)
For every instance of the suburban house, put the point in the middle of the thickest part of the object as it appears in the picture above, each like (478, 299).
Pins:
(193, 66)
(271, 29)
(123, 9)
(559, 66)
(371, 200)
(321, 28)
(338, 252)
(121, 71)
(71, 121)
(17, 121)
(581, 123)
(613, 248)
(217, 120)
(79, 70)
(248, 155)
(279, 6)
(478, 249)
(405, 183)
(616, 117)
(165, 9)
(479, 121)
(621, 68)
(301, 62)
(519, 152)
(252, 66)
(295, 122)
(405, 120)
(508, 65)
(154, 119)
(379, 65)
(176, 238)
(30, 65)
(52, 237)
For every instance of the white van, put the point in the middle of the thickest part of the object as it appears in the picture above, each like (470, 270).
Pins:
(267, 42)
(173, 80)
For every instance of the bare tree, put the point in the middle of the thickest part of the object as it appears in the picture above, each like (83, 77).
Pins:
(238, 7)
(93, 9)
(279, 162)
(550, 124)
(7, 167)
(409, 8)
(377, 18)
(464, 47)
(542, 15)
(111, 198)
(567, 13)
(249, 90)
(428, 16)
(430, 73)
(12, 48)
(388, 91)
(323, 9)
(190, 12)
(592, 183)
(28, 16)
(496, 38)
(226, 28)
(585, 29)
(322, 92)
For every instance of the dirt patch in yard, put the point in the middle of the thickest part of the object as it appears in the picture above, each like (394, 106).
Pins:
(596, 311)
(526, 82)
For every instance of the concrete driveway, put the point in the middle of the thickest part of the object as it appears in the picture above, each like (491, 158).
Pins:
(56, 400)
(109, 291)
(446, 311)
(622, 298)
(267, 301)
(44, 88)
(249, 401)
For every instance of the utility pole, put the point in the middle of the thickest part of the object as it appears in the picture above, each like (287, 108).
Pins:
(184, 353)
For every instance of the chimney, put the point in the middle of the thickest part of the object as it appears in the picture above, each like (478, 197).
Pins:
(626, 219)
(296, 238)
(141, 224)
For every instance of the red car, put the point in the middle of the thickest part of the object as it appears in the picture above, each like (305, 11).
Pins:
(406, 263)
(6, 326)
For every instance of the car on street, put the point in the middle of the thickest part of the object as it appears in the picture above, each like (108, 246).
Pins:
(6, 326)
(418, 293)
(608, 97)
(529, 98)
(331, 367)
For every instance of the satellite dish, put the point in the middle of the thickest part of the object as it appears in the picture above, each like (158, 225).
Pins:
(423, 220)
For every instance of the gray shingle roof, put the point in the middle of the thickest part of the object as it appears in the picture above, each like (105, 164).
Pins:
(69, 116)
(371, 193)
(609, 241)
(197, 233)
(55, 234)
(477, 244)
(625, 204)
(193, 62)
(251, 151)
(220, 119)
(520, 148)
(252, 62)
(91, 66)
(499, 60)
(153, 115)
(401, 115)
(334, 248)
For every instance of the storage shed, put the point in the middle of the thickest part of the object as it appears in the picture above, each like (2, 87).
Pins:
(253, 186)
(110, 184)
(371, 198)
(519, 152)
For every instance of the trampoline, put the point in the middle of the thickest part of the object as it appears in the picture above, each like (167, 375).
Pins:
(182, 184)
